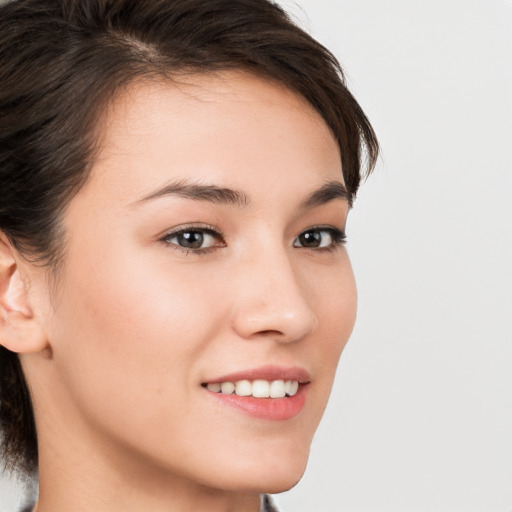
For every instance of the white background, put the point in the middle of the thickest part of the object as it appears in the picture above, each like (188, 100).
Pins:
(420, 418)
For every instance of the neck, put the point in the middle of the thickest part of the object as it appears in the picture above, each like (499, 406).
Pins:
(99, 492)
(84, 474)
(199, 505)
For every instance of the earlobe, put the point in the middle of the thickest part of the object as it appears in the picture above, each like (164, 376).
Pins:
(20, 331)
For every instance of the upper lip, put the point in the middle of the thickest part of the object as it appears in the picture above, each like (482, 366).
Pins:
(267, 372)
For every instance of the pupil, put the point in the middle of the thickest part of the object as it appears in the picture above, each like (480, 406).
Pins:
(310, 239)
(191, 239)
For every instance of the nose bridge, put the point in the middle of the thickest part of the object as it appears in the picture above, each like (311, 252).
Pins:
(271, 300)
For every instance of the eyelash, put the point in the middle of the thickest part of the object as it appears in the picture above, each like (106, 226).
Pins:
(194, 228)
(338, 238)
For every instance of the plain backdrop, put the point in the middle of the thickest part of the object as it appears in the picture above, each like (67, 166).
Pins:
(420, 417)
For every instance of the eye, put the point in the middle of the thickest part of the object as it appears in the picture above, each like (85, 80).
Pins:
(320, 238)
(194, 239)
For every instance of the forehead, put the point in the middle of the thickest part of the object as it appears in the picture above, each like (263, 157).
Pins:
(231, 128)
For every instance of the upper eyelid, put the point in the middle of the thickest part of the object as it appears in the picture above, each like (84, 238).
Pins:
(207, 228)
(320, 227)
(212, 229)
(331, 229)
(191, 227)
(324, 227)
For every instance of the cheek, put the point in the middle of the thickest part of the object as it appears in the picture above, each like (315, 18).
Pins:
(336, 302)
(336, 306)
(127, 333)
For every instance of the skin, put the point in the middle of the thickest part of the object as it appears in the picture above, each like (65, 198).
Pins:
(116, 354)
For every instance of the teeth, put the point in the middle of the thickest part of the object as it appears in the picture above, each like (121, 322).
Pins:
(226, 388)
(257, 388)
(215, 387)
(261, 389)
(243, 388)
(277, 389)
(291, 387)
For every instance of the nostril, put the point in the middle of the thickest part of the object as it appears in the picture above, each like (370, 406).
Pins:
(269, 332)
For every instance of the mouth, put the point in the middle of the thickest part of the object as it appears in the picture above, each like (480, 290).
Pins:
(269, 393)
(258, 388)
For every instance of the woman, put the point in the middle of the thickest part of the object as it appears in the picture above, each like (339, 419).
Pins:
(176, 177)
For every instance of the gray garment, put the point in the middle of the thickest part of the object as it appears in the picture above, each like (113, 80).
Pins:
(267, 505)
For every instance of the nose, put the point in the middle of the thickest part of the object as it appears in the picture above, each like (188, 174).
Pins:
(272, 302)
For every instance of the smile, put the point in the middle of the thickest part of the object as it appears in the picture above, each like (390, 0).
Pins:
(257, 388)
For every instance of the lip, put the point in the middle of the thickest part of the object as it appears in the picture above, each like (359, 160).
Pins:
(268, 372)
(272, 409)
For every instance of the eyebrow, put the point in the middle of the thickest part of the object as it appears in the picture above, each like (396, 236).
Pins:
(209, 193)
(331, 190)
(223, 195)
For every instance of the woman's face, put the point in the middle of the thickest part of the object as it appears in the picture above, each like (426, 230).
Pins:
(206, 249)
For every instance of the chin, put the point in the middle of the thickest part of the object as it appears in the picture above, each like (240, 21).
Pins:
(271, 482)
(281, 483)
(272, 473)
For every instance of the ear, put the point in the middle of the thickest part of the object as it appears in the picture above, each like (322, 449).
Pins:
(20, 330)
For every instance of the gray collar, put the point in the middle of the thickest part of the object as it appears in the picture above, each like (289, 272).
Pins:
(266, 504)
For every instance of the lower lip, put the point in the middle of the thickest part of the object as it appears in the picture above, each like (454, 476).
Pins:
(275, 409)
